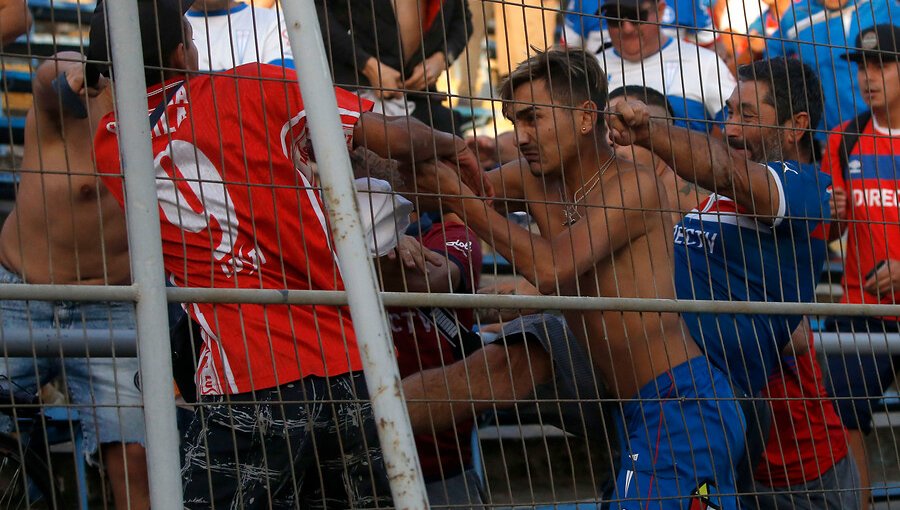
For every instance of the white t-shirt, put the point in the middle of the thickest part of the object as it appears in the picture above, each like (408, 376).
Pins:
(694, 79)
(240, 35)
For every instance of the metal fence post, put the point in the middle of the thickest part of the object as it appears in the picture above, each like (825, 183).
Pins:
(376, 345)
(145, 244)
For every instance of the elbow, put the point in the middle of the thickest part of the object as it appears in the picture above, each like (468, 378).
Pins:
(547, 284)
(550, 278)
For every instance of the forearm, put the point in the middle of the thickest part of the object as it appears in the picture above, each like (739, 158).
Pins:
(405, 139)
(694, 156)
(710, 164)
(493, 376)
(532, 256)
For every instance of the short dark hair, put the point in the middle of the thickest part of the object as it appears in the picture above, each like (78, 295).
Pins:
(794, 87)
(572, 75)
(162, 26)
(650, 96)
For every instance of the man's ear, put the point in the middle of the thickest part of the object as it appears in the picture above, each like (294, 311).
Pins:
(797, 127)
(178, 57)
(586, 117)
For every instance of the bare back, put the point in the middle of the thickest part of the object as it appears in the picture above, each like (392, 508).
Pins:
(65, 227)
(629, 349)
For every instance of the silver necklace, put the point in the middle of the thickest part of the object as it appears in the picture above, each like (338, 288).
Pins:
(571, 212)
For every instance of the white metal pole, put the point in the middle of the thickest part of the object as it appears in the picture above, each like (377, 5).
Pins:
(145, 245)
(366, 308)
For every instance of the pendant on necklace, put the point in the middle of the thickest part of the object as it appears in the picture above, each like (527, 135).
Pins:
(571, 215)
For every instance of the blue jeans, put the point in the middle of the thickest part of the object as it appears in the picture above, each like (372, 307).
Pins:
(104, 391)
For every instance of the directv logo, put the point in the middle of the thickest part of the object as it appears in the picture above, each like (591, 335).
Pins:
(854, 167)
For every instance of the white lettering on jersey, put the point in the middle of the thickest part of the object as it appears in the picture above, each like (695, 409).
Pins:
(193, 198)
(463, 246)
(405, 321)
(693, 238)
(164, 126)
(875, 197)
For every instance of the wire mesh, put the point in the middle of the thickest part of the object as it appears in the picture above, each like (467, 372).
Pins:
(650, 260)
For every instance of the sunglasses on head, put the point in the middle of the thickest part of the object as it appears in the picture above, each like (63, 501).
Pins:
(616, 16)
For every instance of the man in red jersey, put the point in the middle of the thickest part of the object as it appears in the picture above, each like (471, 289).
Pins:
(865, 194)
(239, 209)
(806, 463)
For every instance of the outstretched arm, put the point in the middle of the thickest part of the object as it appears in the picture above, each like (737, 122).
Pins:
(700, 159)
(411, 141)
(630, 201)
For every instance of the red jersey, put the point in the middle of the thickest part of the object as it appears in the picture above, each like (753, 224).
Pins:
(238, 211)
(807, 436)
(419, 347)
(872, 195)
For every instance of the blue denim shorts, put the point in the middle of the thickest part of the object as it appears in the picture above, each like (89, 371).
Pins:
(104, 391)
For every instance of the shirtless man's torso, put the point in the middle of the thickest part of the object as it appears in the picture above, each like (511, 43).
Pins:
(66, 229)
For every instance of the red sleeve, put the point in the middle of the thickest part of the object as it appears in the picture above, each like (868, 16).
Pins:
(462, 246)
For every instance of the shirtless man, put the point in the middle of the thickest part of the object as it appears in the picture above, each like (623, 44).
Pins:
(615, 242)
(66, 229)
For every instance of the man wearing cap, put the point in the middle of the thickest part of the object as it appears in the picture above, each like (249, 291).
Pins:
(817, 32)
(240, 208)
(694, 79)
(865, 194)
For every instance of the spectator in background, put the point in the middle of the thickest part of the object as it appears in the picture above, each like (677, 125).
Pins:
(693, 79)
(747, 27)
(229, 33)
(818, 32)
(15, 20)
(468, 74)
(865, 173)
(687, 19)
(394, 55)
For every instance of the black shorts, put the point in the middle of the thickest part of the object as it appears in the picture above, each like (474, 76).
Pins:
(309, 444)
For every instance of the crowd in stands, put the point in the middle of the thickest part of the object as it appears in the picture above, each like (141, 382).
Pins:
(712, 151)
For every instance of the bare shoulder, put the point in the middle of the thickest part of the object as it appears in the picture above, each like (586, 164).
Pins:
(632, 185)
